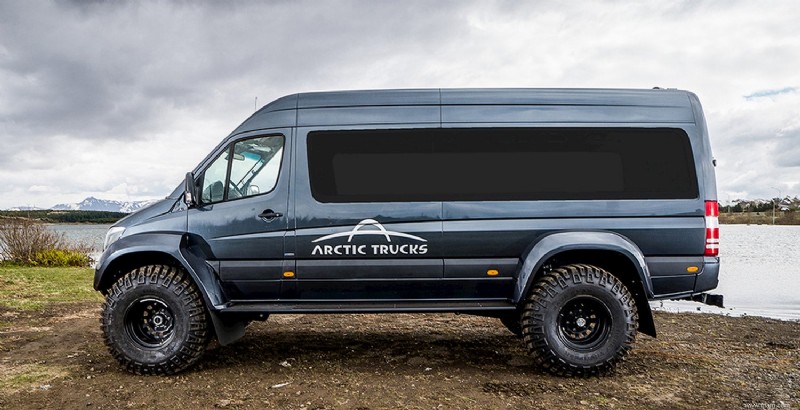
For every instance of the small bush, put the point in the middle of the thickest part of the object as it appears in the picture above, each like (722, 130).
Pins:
(60, 257)
(29, 242)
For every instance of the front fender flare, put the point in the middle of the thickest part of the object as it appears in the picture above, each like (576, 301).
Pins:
(192, 256)
(174, 245)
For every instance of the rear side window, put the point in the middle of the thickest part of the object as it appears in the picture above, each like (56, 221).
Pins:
(495, 164)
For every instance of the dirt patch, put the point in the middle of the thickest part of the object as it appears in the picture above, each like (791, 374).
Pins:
(55, 358)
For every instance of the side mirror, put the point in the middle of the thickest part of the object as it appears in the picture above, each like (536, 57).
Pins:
(190, 191)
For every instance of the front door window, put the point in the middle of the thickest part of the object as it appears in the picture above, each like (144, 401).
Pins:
(250, 167)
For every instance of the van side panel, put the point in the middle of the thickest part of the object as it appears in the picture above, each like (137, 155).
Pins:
(472, 234)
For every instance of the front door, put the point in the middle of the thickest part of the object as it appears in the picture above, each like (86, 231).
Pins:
(242, 215)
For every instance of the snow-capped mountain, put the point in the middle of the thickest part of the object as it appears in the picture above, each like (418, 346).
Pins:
(95, 204)
(25, 208)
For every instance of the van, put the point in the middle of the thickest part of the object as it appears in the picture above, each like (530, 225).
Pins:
(561, 212)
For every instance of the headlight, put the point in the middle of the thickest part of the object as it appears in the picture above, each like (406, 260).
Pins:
(112, 235)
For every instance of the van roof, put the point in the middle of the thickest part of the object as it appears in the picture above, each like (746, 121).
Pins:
(484, 96)
(468, 105)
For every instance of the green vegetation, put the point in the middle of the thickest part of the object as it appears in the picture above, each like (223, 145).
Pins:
(26, 242)
(97, 217)
(61, 257)
(32, 288)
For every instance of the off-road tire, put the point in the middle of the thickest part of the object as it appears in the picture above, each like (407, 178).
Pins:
(154, 321)
(512, 323)
(579, 320)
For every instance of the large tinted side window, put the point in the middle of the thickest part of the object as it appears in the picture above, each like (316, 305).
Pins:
(490, 164)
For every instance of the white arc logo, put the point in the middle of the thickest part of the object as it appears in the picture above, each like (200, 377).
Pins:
(366, 223)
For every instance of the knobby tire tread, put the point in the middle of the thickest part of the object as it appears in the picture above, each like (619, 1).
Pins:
(545, 289)
(178, 282)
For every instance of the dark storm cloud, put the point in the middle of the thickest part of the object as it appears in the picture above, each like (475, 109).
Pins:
(61, 75)
(114, 70)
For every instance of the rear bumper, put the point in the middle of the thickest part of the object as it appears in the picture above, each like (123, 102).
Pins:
(672, 276)
(709, 277)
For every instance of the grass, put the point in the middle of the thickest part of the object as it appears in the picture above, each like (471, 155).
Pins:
(31, 288)
(27, 376)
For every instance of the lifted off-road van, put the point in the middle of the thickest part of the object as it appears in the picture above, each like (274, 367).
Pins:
(560, 212)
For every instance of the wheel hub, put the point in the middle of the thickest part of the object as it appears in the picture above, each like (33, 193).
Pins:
(584, 322)
(150, 322)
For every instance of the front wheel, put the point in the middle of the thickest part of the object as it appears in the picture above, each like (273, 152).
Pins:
(154, 321)
(579, 320)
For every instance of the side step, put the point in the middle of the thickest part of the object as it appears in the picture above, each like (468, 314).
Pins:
(365, 307)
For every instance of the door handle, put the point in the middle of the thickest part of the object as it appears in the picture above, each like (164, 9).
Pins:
(269, 215)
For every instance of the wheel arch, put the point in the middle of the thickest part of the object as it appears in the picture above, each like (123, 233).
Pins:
(606, 250)
(129, 261)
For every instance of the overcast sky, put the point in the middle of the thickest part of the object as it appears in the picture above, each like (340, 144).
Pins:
(118, 100)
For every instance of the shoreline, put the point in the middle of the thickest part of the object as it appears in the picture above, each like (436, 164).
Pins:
(697, 308)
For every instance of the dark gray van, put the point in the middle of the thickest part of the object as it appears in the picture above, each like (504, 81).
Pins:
(560, 212)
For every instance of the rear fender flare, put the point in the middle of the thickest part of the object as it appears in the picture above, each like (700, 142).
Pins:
(553, 244)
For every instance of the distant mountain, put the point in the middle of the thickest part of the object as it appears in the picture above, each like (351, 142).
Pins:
(94, 204)
(25, 208)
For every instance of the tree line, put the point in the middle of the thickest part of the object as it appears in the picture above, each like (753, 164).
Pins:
(98, 217)
(786, 204)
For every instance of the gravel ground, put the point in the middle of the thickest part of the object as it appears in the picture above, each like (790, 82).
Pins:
(55, 358)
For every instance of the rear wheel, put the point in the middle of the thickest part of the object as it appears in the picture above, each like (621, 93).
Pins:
(579, 320)
(154, 321)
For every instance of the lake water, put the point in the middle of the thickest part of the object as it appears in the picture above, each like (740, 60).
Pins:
(760, 273)
(90, 234)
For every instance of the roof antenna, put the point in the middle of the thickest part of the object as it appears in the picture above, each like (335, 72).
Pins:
(255, 105)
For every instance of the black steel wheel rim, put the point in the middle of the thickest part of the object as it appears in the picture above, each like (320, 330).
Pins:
(584, 323)
(150, 322)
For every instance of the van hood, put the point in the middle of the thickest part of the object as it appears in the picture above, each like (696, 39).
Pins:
(150, 211)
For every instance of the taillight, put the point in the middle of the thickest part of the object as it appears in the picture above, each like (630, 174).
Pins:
(712, 228)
